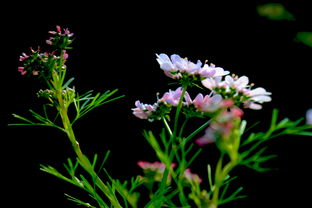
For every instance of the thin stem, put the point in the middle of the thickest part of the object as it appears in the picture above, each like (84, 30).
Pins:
(177, 114)
(194, 133)
(63, 108)
(183, 127)
(174, 138)
(167, 125)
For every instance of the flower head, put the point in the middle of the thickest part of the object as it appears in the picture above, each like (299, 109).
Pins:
(212, 71)
(190, 177)
(207, 103)
(172, 97)
(239, 90)
(143, 111)
(153, 171)
(221, 127)
(175, 66)
(60, 38)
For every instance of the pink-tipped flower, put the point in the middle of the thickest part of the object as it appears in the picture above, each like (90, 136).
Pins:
(239, 90)
(207, 103)
(209, 137)
(212, 71)
(221, 127)
(58, 29)
(154, 171)
(191, 177)
(143, 111)
(23, 57)
(172, 97)
(21, 70)
(155, 166)
(49, 42)
(65, 56)
(175, 66)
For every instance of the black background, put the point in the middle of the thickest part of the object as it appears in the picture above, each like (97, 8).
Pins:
(115, 47)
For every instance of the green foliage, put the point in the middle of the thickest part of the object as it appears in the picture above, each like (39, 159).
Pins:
(252, 152)
(305, 38)
(274, 11)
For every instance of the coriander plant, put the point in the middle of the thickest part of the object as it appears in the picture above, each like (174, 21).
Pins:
(203, 92)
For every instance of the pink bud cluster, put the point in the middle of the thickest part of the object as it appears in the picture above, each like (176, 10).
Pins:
(60, 37)
(221, 126)
(158, 169)
(37, 63)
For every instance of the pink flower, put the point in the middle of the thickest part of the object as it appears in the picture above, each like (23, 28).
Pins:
(208, 138)
(143, 111)
(58, 29)
(22, 70)
(221, 127)
(65, 55)
(191, 177)
(238, 89)
(207, 103)
(23, 57)
(155, 166)
(172, 97)
(49, 42)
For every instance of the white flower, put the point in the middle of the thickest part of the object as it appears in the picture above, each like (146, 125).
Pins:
(309, 117)
(237, 83)
(212, 83)
(239, 90)
(212, 71)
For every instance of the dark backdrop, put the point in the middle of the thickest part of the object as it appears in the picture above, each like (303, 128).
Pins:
(115, 47)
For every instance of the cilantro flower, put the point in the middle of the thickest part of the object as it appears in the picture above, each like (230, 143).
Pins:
(238, 89)
(191, 178)
(175, 66)
(172, 97)
(207, 103)
(212, 71)
(221, 127)
(143, 111)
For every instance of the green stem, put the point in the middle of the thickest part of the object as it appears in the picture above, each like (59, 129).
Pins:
(62, 108)
(194, 133)
(177, 114)
(220, 176)
(181, 145)
(167, 125)
(183, 127)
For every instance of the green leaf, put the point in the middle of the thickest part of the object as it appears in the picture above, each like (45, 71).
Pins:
(305, 38)
(274, 11)
(68, 83)
(78, 201)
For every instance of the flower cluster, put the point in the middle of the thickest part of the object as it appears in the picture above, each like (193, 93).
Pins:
(221, 127)
(226, 95)
(41, 63)
(231, 87)
(191, 177)
(154, 172)
(176, 67)
(201, 105)
(238, 89)
(60, 39)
